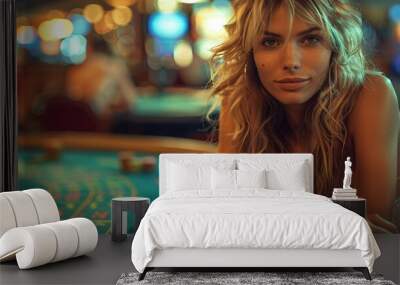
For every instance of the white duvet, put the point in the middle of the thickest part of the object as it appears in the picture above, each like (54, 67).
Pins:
(253, 218)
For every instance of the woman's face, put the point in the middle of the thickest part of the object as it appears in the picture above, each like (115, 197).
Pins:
(292, 65)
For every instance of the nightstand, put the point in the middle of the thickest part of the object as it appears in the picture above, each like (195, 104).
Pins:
(358, 205)
(119, 212)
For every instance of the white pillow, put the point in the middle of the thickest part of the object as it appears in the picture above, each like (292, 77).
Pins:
(251, 178)
(281, 174)
(188, 174)
(288, 179)
(228, 179)
(183, 177)
(223, 179)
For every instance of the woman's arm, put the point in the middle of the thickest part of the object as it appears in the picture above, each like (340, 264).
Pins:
(374, 125)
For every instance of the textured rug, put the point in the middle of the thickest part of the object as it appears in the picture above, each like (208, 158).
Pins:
(243, 278)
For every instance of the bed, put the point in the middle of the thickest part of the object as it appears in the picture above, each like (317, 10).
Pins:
(247, 210)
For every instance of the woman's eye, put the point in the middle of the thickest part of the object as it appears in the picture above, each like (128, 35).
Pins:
(271, 42)
(311, 40)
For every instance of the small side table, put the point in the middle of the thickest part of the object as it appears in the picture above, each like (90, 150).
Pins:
(358, 205)
(119, 214)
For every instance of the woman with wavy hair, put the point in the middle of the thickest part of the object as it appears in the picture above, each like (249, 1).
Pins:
(293, 77)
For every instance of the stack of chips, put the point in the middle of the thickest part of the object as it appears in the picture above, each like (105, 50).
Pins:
(125, 159)
(344, 194)
(52, 150)
(131, 163)
(148, 163)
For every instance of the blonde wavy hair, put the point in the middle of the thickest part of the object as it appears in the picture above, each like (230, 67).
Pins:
(259, 119)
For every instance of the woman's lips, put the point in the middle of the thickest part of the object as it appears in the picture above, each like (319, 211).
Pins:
(293, 86)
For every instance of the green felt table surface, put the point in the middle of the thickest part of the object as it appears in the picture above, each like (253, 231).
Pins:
(83, 183)
(171, 105)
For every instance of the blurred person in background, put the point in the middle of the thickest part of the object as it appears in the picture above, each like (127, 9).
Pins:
(102, 80)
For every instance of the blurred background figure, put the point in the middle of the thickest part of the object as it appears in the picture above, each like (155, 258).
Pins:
(102, 81)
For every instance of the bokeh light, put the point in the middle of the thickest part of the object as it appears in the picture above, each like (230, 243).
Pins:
(183, 54)
(77, 59)
(121, 3)
(50, 48)
(163, 47)
(93, 13)
(52, 14)
(121, 16)
(26, 35)
(203, 48)
(397, 32)
(167, 6)
(109, 21)
(394, 13)
(210, 22)
(55, 29)
(168, 25)
(81, 25)
(192, 1)
(74, 45)
(102, 27)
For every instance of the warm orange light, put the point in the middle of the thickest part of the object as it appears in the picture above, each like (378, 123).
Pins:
(50, 48)
(55, 29)
(108, 20)
(210, 22)
(121, 16)
(102, 27)
(397, 32)
(93, 13)
(22, 21)
(183, 54)
(121, 3)
(55, 14)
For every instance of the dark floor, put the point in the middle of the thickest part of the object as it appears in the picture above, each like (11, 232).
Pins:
(103, 266)
(111, 259)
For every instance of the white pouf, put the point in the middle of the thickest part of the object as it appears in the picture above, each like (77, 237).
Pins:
(31, 230)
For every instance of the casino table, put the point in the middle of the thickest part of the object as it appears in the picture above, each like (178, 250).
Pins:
(172, 105)
(169, 113)
(83, 173)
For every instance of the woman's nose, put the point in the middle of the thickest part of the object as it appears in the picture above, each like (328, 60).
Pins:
(291, 54)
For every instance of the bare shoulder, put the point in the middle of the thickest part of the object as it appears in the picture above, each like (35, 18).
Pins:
(376, 104)
(377, 91)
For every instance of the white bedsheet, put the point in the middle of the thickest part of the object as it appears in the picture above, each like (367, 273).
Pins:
(252, 218)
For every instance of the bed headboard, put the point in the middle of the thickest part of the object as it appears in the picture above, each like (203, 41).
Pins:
(212, 158)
